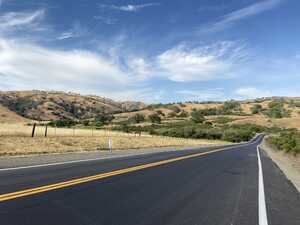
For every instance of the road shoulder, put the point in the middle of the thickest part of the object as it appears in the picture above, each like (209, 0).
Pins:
(288, 163)
(33, 160)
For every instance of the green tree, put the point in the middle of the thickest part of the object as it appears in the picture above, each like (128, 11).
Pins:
(138, 118)
(103, 119)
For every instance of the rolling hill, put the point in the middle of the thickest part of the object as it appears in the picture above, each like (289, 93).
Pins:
(42, 105)
(21, 106)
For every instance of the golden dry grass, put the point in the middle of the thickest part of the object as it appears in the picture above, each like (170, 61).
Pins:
(22, 130)
(8, 116)
(20, 143)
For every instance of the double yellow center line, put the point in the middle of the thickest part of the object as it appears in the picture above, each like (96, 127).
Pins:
(32, 191)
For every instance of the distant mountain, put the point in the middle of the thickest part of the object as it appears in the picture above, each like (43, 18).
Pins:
(44, 105)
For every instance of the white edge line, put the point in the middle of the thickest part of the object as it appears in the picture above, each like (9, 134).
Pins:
(94, 159)
(262, 209)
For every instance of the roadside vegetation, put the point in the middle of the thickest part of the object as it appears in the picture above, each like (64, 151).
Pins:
(194, 130)
(288, 141)
(193, 124)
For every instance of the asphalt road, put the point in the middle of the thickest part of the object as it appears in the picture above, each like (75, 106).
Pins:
(220, 187)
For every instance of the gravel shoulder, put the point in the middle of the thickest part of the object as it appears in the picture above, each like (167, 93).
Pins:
(288, 163)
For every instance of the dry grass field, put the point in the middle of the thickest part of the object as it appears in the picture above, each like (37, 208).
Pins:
(15, 139)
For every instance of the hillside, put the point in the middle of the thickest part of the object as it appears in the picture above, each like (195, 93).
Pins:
(15, 106)
(170, 113)
(8, 116)
(42, 105)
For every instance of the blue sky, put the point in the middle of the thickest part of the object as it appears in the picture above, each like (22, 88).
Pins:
(153, 51)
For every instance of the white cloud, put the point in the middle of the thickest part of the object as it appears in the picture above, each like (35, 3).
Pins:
(65, 35)
(252, 92)
(215, 61)
(202, 95)
(29, 66)
(129, 8)
(235, 16)
(77, 30)
(15, 20)
(139, 67)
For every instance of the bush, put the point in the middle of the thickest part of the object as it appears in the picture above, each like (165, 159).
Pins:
(138, 118)
(62, 123)
(86, 123)
(288, 141)
(183, 114)
(276, 110)
(103, 119)
(257, 108)
(210, 111)
(188, 129)
(234, 135)
(125, 128)
(197, 116)
(154, 118)
(231, 105)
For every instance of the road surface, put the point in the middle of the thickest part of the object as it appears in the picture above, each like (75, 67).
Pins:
(192, 187)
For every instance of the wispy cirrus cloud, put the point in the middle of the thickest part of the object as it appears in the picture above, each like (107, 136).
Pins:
(240, 14)
(77, 30)
(16, 20)
(106, 20)
(32, 65)
(129, 8)
(65, 35)
(208, 62)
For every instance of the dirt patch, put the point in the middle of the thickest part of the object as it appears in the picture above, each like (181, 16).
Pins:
(288, 163)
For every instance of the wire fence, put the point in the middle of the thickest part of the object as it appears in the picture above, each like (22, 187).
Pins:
(47, 131)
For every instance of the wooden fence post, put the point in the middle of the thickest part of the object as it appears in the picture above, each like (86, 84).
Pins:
(33, 130)
(46, 130)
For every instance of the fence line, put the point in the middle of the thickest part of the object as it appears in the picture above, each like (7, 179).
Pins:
(47, 131)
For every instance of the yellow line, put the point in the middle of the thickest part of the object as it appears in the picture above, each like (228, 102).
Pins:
(32, 191)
